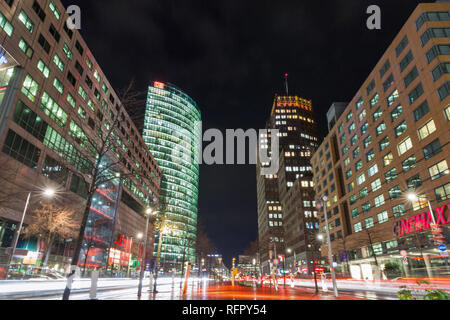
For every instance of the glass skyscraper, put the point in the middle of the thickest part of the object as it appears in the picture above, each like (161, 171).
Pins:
(172, 132)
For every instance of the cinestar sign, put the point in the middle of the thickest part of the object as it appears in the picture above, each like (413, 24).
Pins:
(422, 221)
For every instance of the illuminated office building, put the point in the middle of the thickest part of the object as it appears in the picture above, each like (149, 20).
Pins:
(172, 132)
(391, 140)
(55, 100)
(280, 225)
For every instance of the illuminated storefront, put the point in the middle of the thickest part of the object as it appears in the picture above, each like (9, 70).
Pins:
(172, 132)
(99, 232)
(417, 250)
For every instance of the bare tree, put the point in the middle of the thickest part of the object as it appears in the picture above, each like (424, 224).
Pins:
(108, 150)
(204, 245)
(252, 249)
(50, 221)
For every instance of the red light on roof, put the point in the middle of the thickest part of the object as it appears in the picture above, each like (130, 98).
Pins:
(159, 85)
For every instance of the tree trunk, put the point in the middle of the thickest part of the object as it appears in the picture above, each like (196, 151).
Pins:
(79, 243)
(48, 250)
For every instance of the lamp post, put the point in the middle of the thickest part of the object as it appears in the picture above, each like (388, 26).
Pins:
(164, 230)
(319, 237)
(330, 253)
(48, 193)
(130, 242)
(141, 276)
(413, 197)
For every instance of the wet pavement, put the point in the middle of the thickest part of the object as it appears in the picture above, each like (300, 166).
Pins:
(217, 291)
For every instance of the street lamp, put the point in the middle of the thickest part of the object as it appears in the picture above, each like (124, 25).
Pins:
(165, 229)
(47, 193)
(330, 253)
(413, 198)
(148, 213)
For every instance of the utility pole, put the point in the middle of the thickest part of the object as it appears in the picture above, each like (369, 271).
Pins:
(330, 253)
(286, 75)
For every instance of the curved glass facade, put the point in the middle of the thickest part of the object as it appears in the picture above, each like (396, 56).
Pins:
(172, 132)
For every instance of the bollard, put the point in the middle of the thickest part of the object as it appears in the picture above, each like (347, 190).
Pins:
(69, 285)
(324, 282)
(151, 281)
(94, 283)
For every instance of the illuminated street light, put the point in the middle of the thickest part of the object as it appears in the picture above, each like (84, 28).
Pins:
(330, 253)
(47, 193)
(148, 213)
(164, 230)
(414, 197)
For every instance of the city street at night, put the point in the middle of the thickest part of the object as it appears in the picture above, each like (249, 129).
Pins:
(201, 289)
(182, 154)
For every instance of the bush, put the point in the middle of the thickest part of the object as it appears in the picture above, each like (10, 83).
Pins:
(406, 294)
(392, 269)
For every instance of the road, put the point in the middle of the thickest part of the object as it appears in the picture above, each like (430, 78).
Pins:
(201, 289)
(169, 289)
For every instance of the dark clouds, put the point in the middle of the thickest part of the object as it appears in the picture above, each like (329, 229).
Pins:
(229, 56)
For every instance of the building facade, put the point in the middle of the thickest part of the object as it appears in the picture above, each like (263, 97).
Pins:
(57, 110)
(293, 117)
(172, 132)
(392, 140)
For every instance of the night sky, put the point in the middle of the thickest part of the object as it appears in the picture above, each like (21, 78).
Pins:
(230, 56)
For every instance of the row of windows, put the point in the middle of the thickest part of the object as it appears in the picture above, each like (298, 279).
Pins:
(30, 26)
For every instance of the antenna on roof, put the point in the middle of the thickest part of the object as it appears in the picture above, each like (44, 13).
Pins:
(286, 75)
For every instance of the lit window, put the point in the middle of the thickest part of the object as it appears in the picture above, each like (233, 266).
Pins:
(357, 227)
(387, 159)
(54, 9)
(447, 112)
(23, 17)
(373, 170)
(427, 129)
(391, 175)
(57, 60)
(442, 193)
(370, 155)
(71, 100)
(404, 146)
(58, 85)
(409, 163)
(384, 143)
(30, 88)
(6, 25)
(369, 223)
(396, 113)
(438, 170)
(391, 99)
(399, 210)
(395, 193)
(379, 201)
(361, 179)
(43, 68)
(400, 129)
(380, 129)
(376, 185)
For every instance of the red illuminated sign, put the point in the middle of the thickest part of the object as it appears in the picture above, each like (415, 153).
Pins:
(159, 85)
(124, 242)
(423, 221)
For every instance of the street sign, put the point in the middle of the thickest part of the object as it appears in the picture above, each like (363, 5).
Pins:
(276, 261)
(405, 260)
(442, 247)
(403, 253)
